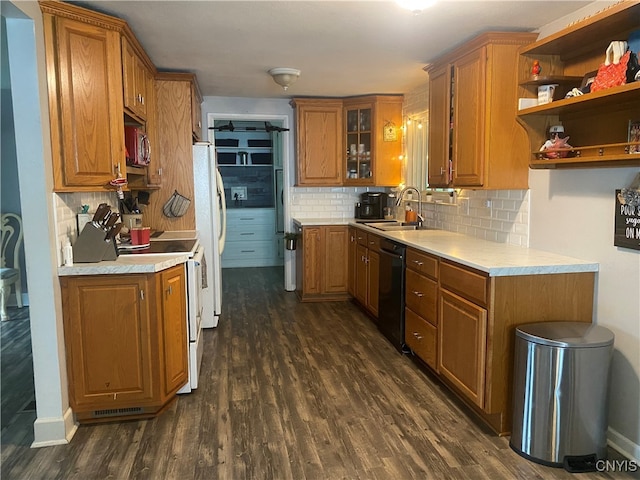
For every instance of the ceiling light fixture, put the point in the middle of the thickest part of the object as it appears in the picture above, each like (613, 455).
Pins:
(284, 76)
(416, 6)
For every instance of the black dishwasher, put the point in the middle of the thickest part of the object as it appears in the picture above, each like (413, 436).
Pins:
(391, 291)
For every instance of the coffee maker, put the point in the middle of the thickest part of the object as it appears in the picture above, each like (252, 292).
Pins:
(371, 206)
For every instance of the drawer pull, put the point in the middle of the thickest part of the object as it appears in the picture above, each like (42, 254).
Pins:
(418, 263)
(418, 294)
(248, 233)
(247, 251)
(417, 335)
(247, 218)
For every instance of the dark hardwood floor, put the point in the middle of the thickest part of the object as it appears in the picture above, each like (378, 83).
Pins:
(287, 391)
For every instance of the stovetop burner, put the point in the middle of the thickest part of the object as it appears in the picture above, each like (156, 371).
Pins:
(161, 247)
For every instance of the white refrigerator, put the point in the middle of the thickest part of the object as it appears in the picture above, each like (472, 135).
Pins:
(211, 213)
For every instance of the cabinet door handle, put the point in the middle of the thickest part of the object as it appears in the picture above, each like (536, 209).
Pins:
(169, 290)
(418, 337)
(141, 294)
(418, 294)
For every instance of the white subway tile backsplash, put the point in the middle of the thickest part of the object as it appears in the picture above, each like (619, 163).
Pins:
(68, 205)
(505, 221)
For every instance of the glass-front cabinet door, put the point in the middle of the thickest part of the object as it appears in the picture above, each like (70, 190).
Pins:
(359, 144)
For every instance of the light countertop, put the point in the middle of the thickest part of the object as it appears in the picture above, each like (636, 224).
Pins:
(126, 264)
(497, 259)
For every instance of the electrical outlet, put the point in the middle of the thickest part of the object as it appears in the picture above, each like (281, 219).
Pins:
(463, 204)
(238, 193)
(487, 203)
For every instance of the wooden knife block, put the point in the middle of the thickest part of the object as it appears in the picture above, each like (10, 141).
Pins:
(91, 246)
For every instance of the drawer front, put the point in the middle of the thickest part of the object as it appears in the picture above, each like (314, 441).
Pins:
(250, 232)
(421, 296)
(251, 217)
(361, 237)
(421, 337)
(373, 242)
(472, 285)
(422, 263)
(249, 250)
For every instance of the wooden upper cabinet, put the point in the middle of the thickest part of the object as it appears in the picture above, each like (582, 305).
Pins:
(85, 102)
(318, 141)
(135, 79)
(475, 138)
(372, 140)
(439, 127)
(468, 119)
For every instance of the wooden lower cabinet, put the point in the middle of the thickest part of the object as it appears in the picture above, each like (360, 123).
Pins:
(421, 337)
(367, 271)
(126, 343)
(462, 345)
(461, 323)
(322, 263)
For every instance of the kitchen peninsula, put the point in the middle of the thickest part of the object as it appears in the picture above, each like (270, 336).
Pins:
(464, 298)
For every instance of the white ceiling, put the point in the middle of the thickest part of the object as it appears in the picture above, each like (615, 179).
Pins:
(342, 47)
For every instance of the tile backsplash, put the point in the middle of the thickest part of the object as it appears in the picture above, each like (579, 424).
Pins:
(496, 215)
(326, 202)
(68, 205)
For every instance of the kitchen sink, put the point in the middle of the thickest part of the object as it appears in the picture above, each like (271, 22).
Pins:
(396, 226)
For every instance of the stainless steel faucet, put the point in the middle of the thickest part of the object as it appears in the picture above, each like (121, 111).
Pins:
(401, 196)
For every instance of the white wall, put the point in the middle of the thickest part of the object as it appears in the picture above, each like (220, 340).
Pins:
(54, 423)
(572, 213)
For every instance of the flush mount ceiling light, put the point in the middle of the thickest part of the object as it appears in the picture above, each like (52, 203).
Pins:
(416, 6)
(284, 76)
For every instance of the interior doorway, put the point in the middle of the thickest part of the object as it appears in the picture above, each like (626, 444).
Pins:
(253, 158)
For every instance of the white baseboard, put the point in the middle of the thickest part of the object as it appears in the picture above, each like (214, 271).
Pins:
(623, 445)
(54, 430)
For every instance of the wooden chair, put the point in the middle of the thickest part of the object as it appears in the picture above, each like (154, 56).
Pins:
(11, 225)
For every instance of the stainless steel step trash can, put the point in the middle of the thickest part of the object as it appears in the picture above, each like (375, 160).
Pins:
(560, 393)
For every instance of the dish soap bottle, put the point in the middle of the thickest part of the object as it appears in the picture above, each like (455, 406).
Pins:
(67, 253)
(410, 215)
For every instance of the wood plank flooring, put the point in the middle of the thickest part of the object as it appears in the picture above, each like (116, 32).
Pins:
(288, 390)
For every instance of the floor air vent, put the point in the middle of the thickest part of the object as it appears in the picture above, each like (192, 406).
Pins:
(117, 412)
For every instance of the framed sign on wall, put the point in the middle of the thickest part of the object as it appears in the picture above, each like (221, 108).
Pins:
(627, 222)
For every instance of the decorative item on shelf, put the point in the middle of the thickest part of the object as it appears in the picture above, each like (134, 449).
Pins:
(284, 76)
(545, 93)
(556, 147)
(535, 69)
(613, 72)
(633, 136)
(290, 240)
